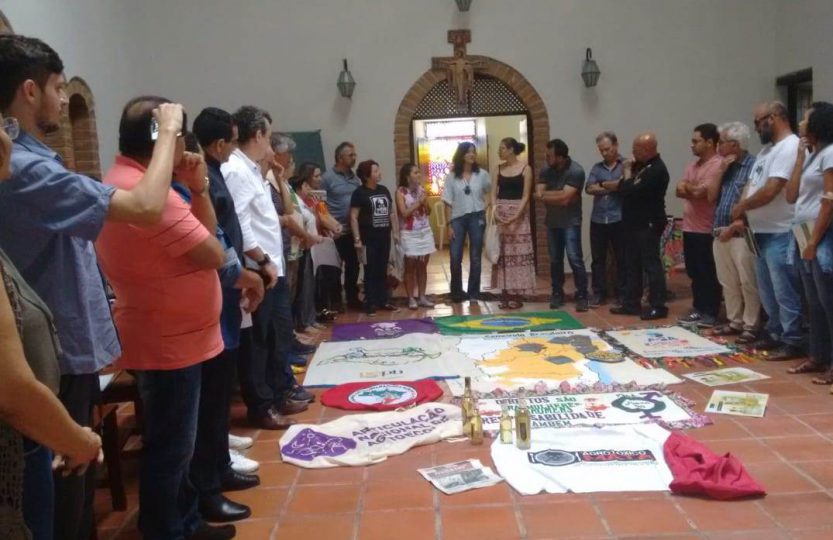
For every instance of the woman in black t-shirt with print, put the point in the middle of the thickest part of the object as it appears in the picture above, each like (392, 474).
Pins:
(371, 220)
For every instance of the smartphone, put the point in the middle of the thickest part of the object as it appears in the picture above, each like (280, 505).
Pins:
(154, 129)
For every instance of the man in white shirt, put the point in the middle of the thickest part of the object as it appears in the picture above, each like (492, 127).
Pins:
(266, 380)
(769, 216)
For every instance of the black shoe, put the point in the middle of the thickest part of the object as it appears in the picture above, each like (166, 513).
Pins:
(785, 352)
(556, 301)
(622, 310)
(235, 481)
(596, 300)
(766, 343)
(300, 394)
(370, 311)
(356, 305)
(220, 509)
(209, 532)
(459, 298)
(581, 305)
(301, 348)
(654, 314)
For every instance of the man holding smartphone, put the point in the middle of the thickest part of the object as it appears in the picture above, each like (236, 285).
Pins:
(50, 218)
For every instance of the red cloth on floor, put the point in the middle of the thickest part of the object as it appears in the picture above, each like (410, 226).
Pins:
(699, 471)
(381, 395)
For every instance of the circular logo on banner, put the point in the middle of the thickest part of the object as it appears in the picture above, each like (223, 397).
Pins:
(508, 322)
(638, 404)
(553, 458)
(383, 394)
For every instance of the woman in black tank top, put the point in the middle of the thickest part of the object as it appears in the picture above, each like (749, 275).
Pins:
(515, 271)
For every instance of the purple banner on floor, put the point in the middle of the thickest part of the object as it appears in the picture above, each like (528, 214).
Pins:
(382, 329)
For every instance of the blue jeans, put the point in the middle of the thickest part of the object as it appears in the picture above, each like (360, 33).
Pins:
(167, 499)
(779, 286)
(38, 490)
(817, 278)
(570, 239)
(473, 225)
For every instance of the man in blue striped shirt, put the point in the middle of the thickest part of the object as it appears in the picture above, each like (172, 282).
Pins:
(733, 257)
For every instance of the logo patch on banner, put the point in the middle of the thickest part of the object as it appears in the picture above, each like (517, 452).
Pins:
(383, 394)
(309, 444)
(560, 458)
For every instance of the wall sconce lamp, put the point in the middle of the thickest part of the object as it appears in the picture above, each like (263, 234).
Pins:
(590, 70)
(463, 5)
(346, 83)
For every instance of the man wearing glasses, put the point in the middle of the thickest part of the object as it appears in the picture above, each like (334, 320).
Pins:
(769, 215)
(734, 261)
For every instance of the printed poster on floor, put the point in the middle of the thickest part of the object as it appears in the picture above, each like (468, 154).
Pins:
(612, 408)
(738, 403)
(672, 341)
(719, 377)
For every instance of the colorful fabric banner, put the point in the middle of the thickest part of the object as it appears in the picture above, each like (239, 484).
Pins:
(671, 341)
(514, 322)
(613, 408)
(573, 357)
(381, 396)
(364, 439)
(382, 329)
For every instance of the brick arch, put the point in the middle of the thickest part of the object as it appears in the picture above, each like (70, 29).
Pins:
(539, 129)
(84, 134)
(5, 25)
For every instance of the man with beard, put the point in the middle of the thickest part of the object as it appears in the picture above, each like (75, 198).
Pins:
(49, 219)
(769, 216)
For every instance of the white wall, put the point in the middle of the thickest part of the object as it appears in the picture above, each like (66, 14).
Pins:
(96, 42)
(666, 65)
(804, 36)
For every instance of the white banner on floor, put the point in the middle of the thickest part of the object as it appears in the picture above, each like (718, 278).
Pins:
(571, 410)
(672, 341)
(364, 439)
(407, 358)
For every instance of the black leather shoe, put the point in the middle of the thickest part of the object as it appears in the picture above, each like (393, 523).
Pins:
(766, 343)
(271, 419)
(302, 348)
(622, 310)
(654, 314)
(208, 532)
(235, 481)
(300, 394)
(785, 352)
(292, 407)
(220, 509)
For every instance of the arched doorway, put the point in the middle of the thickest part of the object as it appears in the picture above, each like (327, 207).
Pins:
(81, 112)
(5, 25)
(527, 100)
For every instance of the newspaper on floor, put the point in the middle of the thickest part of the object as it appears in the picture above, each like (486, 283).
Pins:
(460, 476)
(738, 403)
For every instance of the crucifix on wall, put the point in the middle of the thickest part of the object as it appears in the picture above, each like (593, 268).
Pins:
(459, 68)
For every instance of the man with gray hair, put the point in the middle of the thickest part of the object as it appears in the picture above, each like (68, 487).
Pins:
(733, 259)
(606, 220)
(770, 216)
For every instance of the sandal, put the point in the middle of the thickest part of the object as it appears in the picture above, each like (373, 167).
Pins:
(808, 366)
(725, 330)
(827, 378)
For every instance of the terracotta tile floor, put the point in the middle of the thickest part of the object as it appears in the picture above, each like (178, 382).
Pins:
(790, 451)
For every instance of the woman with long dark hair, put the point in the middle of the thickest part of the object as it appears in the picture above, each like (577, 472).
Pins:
(515, 271)
(464, 195)
(811, 189)
(371, 222)
(415, 231)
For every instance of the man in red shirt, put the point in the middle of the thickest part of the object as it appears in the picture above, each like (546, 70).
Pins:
(167, 312)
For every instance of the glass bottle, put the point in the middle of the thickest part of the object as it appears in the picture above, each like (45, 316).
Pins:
(523, 426)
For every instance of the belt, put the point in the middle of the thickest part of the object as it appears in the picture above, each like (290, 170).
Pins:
(718, 231)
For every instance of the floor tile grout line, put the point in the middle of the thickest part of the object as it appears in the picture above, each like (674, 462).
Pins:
(357, 519)
(289, 496)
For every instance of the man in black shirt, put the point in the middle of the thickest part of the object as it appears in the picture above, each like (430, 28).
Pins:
(211, 471)
(643, 187)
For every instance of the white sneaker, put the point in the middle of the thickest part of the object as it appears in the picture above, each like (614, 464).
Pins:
(242, 464)
(425, 302)
(239, 443)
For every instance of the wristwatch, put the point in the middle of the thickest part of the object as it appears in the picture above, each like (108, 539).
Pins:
(264, 261)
